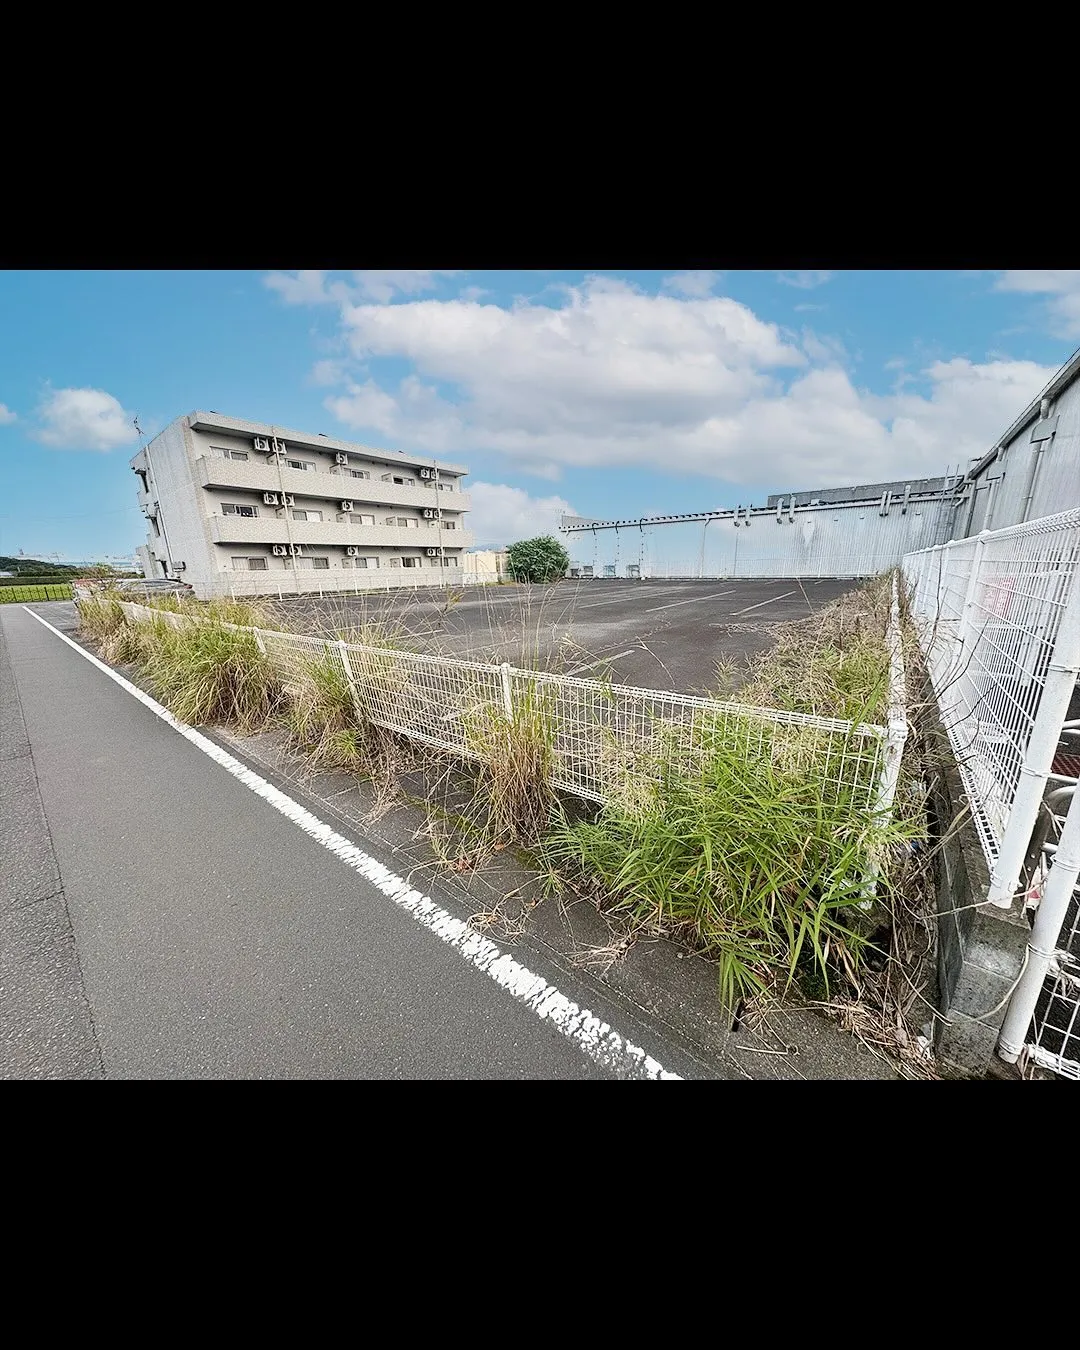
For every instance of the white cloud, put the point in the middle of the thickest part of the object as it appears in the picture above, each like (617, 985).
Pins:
(381, 286)
(1063, 286)
(616, 377)
(697, 284)
(300, 288)
(328, 372)
(501, 514)
(6, 415)
(805, 281)
(84, 419)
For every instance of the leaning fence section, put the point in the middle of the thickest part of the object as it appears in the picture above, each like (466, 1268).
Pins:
(605, 740)
(995, 619)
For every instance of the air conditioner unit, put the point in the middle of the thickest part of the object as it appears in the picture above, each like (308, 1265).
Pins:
(270, 498)
(352, 551)
(427, 473)
(429, 513)
(297, 550)
(280, 550)
(179, 566)
(277, 446)
(287, 499)
(341, 458)
(262, 445)
(346, 506)
(432, 552)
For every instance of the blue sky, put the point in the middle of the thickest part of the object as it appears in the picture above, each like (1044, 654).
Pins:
(612, 394)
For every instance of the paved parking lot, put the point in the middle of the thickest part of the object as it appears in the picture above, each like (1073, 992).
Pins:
(653, 634)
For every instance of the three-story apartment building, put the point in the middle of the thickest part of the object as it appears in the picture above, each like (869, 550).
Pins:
(247, 508)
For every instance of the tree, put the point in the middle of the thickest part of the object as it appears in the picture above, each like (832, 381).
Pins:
(541, 559)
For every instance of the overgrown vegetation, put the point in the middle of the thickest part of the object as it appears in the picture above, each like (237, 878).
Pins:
(743, 856)
(834, 664)
(541, 560)
(723, 838)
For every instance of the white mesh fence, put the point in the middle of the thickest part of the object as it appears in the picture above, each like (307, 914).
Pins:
(606, 740)
(987, 611)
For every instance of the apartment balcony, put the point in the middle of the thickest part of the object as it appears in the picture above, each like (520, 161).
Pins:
(271, 529)
(217, 471)
(147, 503)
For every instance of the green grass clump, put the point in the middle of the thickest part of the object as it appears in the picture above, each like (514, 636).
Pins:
(742, 856)
(515, 754)
(323, 720)
(100, 614)
(206, 673)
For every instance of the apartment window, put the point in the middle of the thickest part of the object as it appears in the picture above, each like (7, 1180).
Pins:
(434, 562)
(302, 464)
(321, 564)
(449, 525)
(410, 562)
(367, 562)
(412, 524)
(307, 515)
(233, 509)
(249, 564)
(394, 562)
(360, 473)
(365, 520)
(446, 487)
(229, 454)
(450, 562)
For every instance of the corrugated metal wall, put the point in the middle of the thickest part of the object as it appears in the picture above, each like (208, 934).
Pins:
(1002, 485)
(819, 541)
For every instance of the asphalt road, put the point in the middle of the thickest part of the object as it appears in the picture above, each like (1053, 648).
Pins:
(650, 634)
(160, 919)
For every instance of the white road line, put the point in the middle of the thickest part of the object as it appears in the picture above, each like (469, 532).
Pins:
(604, 660)
(764, 602)
(692, 601)
(591, 1036)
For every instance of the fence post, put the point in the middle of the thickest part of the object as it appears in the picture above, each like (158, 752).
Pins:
(1040, 949)
(966, 623)
(1061, 677)
(898, 727)
(508, 700)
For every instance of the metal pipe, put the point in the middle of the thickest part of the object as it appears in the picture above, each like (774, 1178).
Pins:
(1036, 460)
(1041, 945)
(1061, 676)
(161, 513)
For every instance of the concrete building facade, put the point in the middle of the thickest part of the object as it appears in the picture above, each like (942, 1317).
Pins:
(240, 507)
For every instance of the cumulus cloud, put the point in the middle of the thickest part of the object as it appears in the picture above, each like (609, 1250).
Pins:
(805, 281)
(613, 376)
(84, 419)
(501, 514)
(696, 284)
(300, 288)
(1063, 288)
(6, 415)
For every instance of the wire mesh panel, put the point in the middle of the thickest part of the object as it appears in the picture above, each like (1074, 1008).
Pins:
(1056, 1025)
(987, 611)
(605, 740)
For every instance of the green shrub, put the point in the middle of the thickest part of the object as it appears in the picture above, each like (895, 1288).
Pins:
(541, 559)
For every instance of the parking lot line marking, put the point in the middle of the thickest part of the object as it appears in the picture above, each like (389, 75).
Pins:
(615, 599)
(593, 1037)
(764, 602)
(692, 601)
(602, 661)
